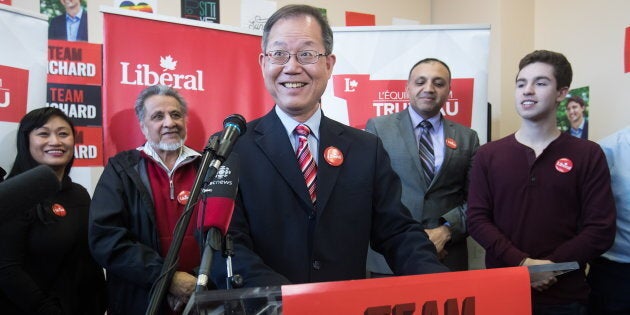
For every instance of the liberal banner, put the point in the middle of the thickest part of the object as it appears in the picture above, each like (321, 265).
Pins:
(373, 65)
(22, 72)
(214, 67)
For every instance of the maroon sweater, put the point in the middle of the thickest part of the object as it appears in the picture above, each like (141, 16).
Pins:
(557, 206)
(168, 210)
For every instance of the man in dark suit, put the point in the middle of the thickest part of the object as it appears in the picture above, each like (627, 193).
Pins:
(438, 203)
(575, 107)
(295, 227)
(72, 25)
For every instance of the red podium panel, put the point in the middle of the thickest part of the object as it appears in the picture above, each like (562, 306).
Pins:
(493, 291)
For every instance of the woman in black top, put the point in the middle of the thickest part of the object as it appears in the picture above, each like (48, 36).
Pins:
(45, 264)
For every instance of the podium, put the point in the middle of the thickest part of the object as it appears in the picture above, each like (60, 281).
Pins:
(487, 292)
(260, 300)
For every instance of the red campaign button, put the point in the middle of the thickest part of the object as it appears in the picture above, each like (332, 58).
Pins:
(450, 142)
(333, 156)
(564, 165)
(59, 210)
(183, 196)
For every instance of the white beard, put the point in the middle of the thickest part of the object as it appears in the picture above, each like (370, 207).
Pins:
(167, 146)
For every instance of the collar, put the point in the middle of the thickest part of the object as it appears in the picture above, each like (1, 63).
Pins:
(185, 154)
(76, 17)
(289, 123)
(581, 127)
(436, 120)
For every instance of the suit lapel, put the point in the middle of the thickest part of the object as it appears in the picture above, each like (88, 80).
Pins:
(331, 135)
(271, 137)
(449, 132)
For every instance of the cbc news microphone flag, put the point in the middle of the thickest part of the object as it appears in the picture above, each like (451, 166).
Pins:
(215, 67)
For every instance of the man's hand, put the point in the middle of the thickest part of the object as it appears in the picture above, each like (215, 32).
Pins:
(546, 279)
(439, 236)
(183, 284)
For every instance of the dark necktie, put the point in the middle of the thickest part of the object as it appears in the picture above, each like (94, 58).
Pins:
(306, 161)
(425, 148)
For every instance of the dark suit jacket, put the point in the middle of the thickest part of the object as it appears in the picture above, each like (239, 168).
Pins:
(281, 238)
(584, 130)
(57, 28)
(446, 196)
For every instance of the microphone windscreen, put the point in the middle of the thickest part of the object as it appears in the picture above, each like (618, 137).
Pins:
(27, 189)
(218, 197)
(236, 120)
(218, 214)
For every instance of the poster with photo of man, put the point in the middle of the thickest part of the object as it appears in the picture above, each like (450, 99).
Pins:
(67, 19)
(572, 113)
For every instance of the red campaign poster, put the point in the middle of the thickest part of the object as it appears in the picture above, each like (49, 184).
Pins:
(215, 70)
(13, 93)
(88, 147)
(626, 53)
(368, 98)
(360, 19)
(74, 62)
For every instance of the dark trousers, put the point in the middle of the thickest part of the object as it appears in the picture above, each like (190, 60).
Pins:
(560, 309)
(610, 287)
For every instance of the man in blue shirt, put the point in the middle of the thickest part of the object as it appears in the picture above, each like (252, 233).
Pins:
(609, 276)
(72, 25)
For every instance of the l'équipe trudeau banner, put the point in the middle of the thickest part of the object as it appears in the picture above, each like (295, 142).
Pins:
(74, 86)
(22, 73)
(214, 67)
(373, 64)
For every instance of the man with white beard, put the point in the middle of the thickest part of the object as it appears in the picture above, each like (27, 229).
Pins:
(136, 205)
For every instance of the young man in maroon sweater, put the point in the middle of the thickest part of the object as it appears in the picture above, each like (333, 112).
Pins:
(540, 196)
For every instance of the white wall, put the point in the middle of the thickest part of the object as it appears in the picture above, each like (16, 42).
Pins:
(591, 35)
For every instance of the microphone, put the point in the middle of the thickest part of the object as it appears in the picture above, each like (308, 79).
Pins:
(216, 214)
(213, 156)
(233, 127)
(27, 189)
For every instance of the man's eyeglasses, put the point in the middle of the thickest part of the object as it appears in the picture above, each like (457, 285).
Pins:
(305, 57)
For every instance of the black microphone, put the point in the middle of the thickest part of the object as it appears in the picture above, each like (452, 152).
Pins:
(233, 127)
(27, 189)
(214, 218)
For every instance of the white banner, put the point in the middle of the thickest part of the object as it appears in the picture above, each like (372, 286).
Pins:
(23, 62)
(373, 64)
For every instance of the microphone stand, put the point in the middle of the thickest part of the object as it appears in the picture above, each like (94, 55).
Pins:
(232, 280)
(168, 268)
(214, 238)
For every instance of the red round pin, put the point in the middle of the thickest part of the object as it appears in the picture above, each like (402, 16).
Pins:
(564, 165)
(333, 156)
(59, 210)
(183, 196)
(450, 142)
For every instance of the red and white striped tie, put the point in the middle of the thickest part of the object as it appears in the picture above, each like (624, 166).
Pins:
(306, 161)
